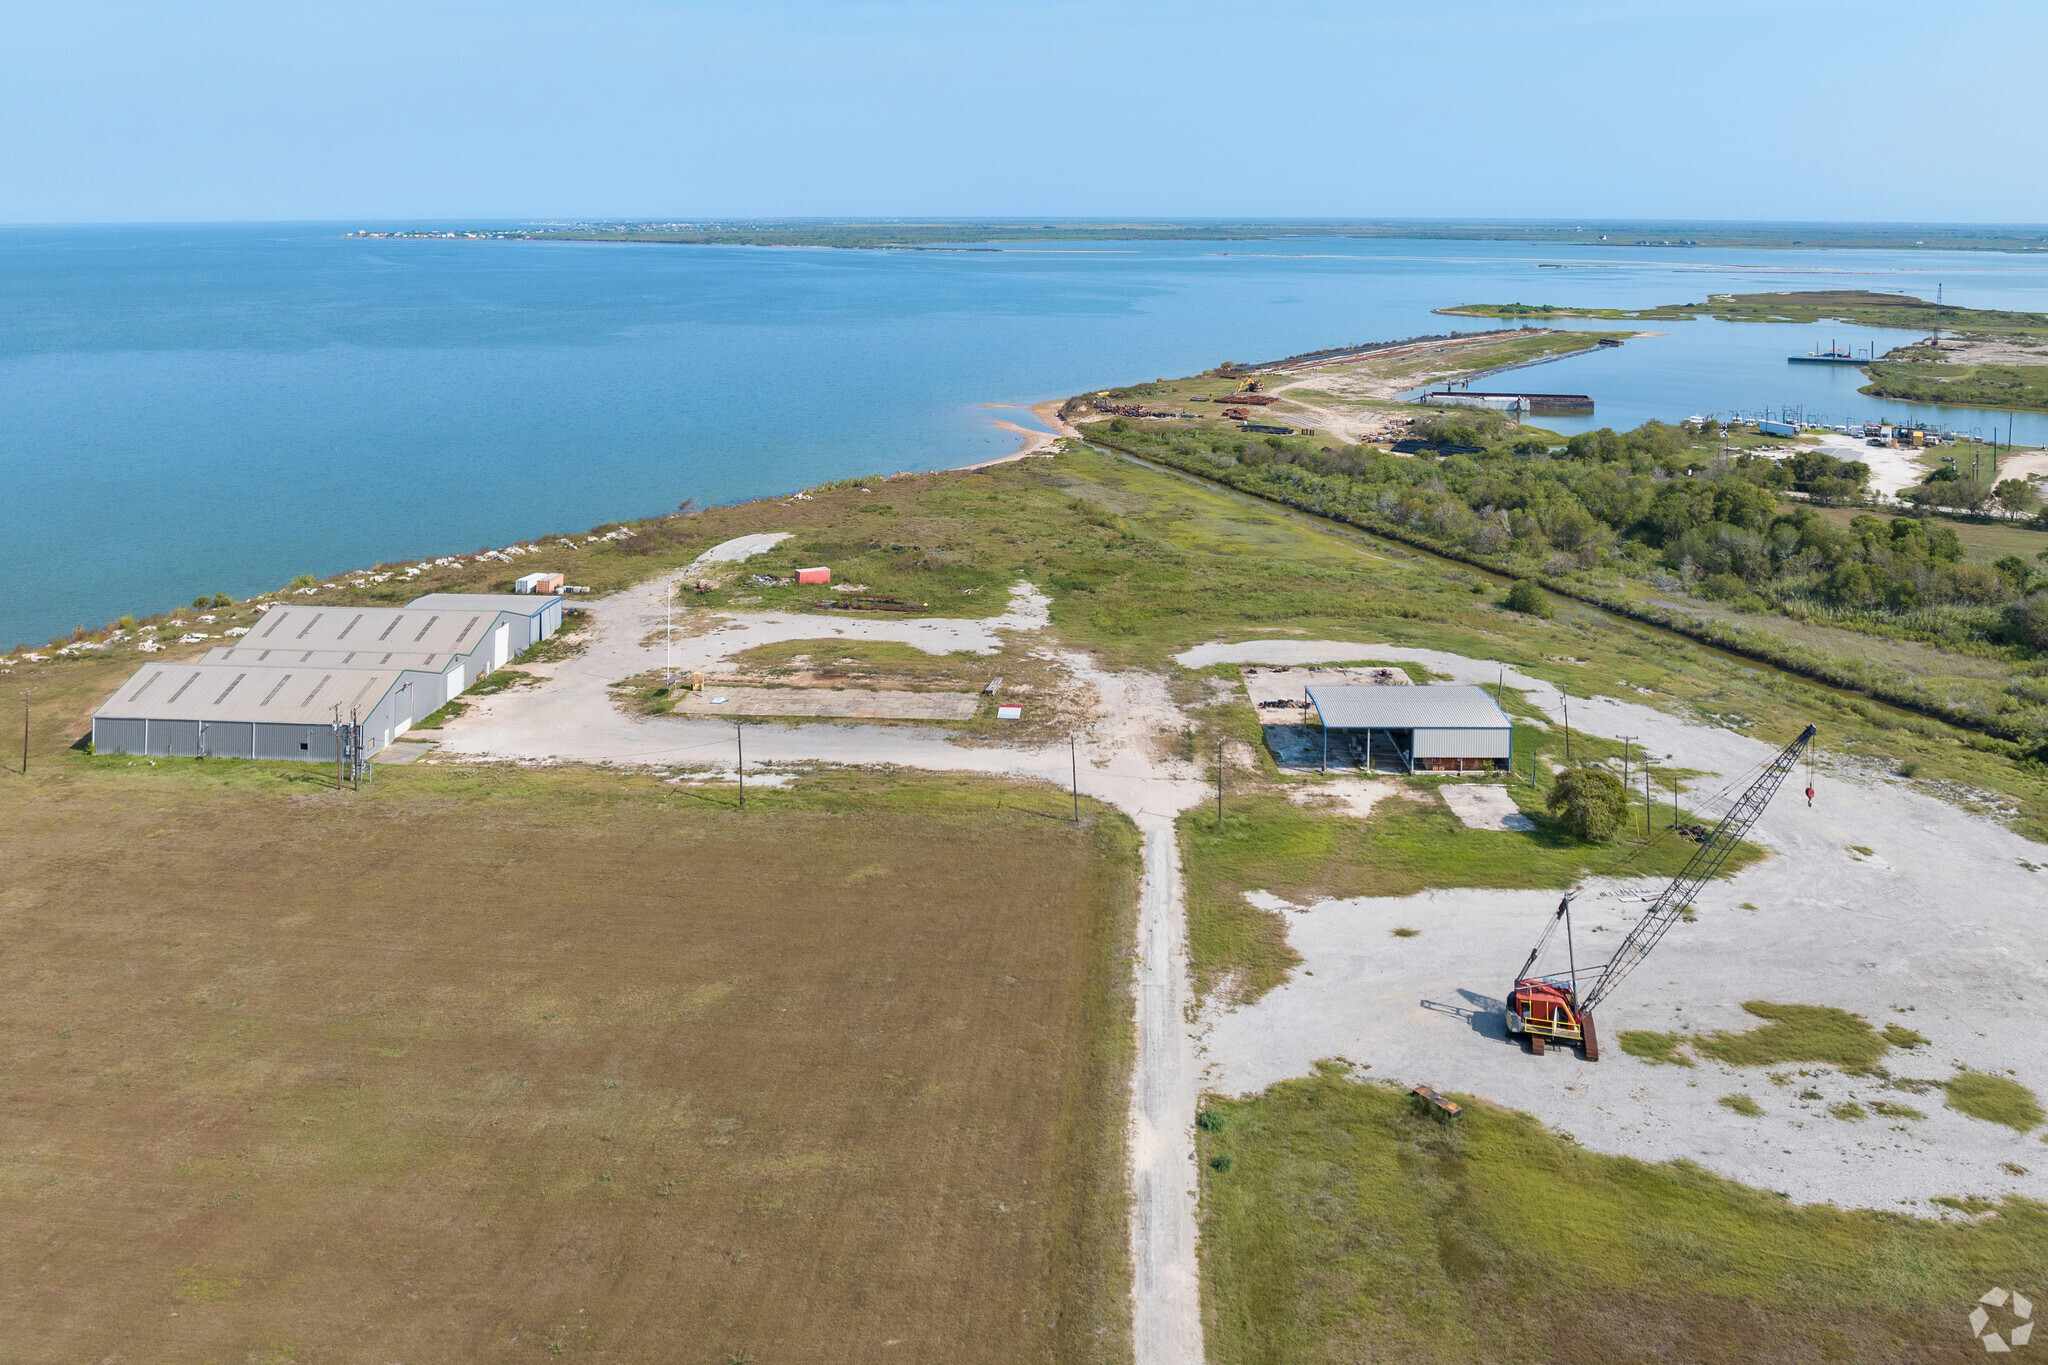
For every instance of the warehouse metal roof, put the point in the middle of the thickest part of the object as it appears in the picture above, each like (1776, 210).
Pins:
(1408, 708)
(280, 657)
(232, 692)
(519, 604)
(437, 630)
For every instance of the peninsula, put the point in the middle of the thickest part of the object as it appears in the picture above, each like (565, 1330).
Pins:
(1971, 357)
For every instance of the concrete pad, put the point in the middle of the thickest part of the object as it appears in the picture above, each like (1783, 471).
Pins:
(401, 752)
(1485, 807)
(1265, 684)
(848, 702)
(1349, 795)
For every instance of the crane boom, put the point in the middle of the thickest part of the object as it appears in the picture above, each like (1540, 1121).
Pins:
(1670, 907)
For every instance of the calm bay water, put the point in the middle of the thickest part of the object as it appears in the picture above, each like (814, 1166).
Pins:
(202, 409)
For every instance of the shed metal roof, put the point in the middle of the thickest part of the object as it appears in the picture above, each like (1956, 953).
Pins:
(1441, 707)
(519, 604)
(282, 657)
(436, 630)
(281, 696)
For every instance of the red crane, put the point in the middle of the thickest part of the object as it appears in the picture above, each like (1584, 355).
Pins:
(1542, 1008)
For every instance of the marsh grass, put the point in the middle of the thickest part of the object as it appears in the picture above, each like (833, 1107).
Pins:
(1994, 1099)
(1743, 1105)
(1799, 1033)
(1658, 1049)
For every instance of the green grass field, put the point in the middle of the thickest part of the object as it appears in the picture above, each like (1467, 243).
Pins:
(1354, 1222)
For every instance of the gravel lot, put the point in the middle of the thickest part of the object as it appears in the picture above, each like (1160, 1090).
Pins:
(1942, 917)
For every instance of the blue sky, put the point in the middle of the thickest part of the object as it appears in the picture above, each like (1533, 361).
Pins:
(1876, 111)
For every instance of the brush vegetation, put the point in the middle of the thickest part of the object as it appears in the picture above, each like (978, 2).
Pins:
(2021, 387)
(1660, 523)
(1353, 1224)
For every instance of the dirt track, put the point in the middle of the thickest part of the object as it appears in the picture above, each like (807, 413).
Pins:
(571, 718)
(1866, 933)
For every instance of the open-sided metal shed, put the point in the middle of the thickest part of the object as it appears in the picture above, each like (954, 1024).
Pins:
(1439, 728)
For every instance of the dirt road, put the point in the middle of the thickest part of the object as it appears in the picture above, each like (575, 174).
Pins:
(571, 718)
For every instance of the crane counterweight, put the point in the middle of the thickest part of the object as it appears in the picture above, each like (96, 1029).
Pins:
(1559, 1006)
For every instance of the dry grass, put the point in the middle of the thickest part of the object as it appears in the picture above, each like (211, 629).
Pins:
(492, 1065)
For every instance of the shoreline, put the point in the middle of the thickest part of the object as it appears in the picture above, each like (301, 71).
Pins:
(1035, 442)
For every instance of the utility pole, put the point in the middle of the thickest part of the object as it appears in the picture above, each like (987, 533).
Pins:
(1074, 761)
(1625, 740)
(340, 760)
(739, 739)
(1565, 698)
(668, 607)
(26, 693)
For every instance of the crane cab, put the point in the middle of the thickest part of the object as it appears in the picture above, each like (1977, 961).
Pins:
(1542, 1011)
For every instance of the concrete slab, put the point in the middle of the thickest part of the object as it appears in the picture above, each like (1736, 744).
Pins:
(1285, 684)
(829, 702)
(400, 752)
(1485, 807)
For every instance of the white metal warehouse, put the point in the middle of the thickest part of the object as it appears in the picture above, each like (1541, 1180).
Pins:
(1437, 728)
(228, 711)
(530, 618)
(265, 696)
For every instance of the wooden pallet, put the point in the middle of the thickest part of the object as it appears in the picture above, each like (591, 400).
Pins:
(1449, 1106)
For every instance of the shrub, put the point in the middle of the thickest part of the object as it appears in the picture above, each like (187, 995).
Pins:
(1588, 802)
(1724, 587)
(1528, 599)
(1209, 1121)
